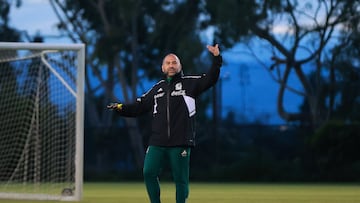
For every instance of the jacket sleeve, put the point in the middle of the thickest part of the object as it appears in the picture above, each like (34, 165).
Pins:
(210, 78)
(141, 106)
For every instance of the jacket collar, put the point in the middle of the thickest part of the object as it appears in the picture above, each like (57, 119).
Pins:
(176, 77)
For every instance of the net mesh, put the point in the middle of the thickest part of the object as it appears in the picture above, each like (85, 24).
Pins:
(37, 121)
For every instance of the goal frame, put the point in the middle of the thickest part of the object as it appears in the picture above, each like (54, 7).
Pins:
(79, 151)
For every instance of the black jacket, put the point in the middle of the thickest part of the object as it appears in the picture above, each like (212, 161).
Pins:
(173, 106)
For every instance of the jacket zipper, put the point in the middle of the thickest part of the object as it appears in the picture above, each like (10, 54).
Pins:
(168, 111)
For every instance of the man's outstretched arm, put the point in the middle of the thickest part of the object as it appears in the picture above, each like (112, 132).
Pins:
(210, 78)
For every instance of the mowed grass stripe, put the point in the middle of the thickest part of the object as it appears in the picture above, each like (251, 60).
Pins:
(269, 193)
(221, 193)
(114, 192)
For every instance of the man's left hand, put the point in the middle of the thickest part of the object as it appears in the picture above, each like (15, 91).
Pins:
(214, 49)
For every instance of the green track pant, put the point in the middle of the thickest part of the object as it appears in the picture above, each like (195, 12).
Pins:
(179, 159)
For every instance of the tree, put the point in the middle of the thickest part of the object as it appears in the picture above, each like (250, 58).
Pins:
(6, 32)
(346, 73)
(309, 31)
(125, 38)
(335, 150)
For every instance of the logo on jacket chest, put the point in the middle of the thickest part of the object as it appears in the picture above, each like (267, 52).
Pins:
(178, 90)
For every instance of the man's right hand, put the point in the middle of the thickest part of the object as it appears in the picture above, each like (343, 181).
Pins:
(116, 106)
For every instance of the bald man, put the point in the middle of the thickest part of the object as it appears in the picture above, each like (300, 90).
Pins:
(172, 102)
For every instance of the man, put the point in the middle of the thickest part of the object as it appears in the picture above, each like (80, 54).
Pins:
(172, 103)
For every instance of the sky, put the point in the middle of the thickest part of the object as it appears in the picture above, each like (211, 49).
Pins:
(36, 17)
(253, 98)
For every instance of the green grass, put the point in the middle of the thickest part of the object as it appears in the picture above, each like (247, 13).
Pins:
(221, 193)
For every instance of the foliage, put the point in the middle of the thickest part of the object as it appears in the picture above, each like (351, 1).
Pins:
(299, 36)
(7, 33)
(239, 153)
(336, 148)
(126, 41)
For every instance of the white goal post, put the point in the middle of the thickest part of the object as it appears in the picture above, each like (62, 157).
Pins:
(41, 121)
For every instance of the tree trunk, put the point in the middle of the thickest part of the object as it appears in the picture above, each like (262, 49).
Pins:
(136, 141)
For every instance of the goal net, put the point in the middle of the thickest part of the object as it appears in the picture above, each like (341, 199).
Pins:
(41, 121)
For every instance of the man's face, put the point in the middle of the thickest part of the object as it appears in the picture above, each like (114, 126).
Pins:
(171, 65)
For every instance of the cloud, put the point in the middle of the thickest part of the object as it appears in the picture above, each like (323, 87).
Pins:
(282, 29)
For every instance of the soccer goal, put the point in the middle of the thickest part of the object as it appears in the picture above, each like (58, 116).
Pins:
(41, 121)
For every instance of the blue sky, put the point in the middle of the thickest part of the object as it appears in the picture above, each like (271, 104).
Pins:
(35, 16)
(255, 100)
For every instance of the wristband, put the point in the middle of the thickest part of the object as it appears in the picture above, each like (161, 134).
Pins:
(119, 106)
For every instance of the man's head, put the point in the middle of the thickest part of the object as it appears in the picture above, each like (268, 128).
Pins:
(171, 65)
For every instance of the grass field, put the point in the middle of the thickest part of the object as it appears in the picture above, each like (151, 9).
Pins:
(221, 193)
